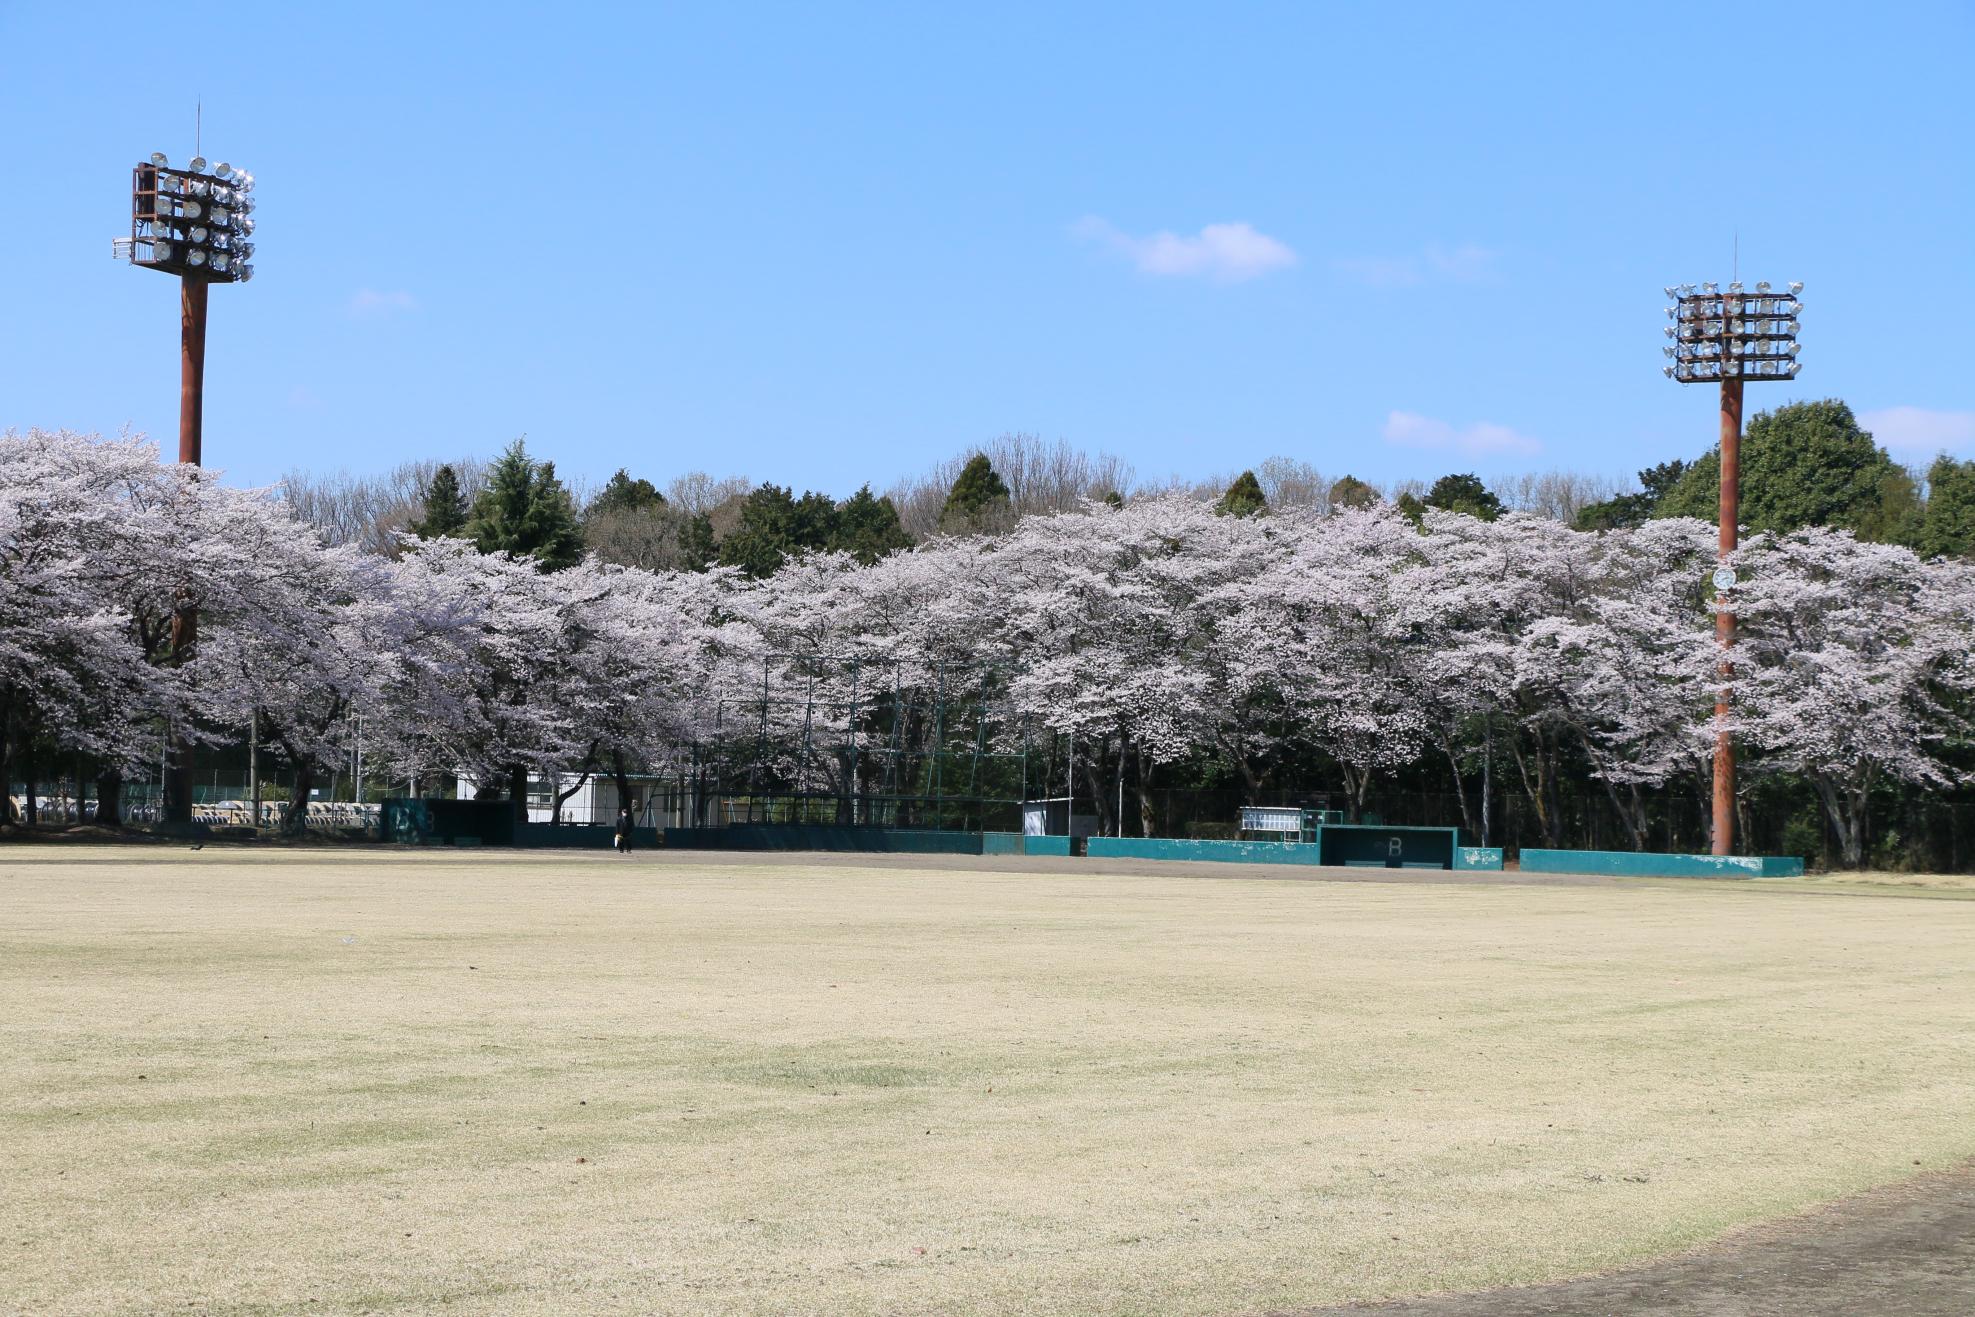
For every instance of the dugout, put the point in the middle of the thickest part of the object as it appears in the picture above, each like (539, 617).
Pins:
(1054, 816)
(1381, 846)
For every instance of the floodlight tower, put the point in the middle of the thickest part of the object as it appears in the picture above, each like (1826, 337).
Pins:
(1730, 338)
(198, 225)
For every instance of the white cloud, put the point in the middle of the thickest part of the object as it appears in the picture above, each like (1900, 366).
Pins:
(1482, 439)
(369, 302)
(1226, 253)
(1464, 264)
(1917, 430)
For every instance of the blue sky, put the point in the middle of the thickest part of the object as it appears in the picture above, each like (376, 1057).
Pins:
(826, 244)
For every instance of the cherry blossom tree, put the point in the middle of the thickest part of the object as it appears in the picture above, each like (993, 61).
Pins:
(487, 688)
(1141, 634)
(1623, 666)
(1319, 630)
(77, 540)
(1852, 667)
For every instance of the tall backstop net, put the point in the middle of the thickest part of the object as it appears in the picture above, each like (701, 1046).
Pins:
(852, 741)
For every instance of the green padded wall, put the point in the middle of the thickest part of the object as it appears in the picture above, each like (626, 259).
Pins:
(1639, 864)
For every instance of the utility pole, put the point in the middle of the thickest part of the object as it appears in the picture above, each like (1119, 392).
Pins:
(1729, 338)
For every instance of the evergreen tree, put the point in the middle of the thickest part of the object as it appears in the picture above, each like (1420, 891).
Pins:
(445, 506)
(526, 511)
(1464, 493)
(1949, 527)
(815, 523)
(623, 494)
(776, 526)
(1804, 464)
(1626, 511)
(697, 545)
(867, 527)
(1351, 492)
(978, 498)
(1243, 498)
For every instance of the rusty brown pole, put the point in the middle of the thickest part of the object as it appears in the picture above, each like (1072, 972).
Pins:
(1724, 621)
(191, 366)
(191, 418)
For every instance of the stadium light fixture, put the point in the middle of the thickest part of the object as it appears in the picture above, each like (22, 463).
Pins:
(1729, 339)
(187, 224)
(181, 221)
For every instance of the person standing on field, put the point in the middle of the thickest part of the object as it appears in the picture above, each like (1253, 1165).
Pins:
(624, 829)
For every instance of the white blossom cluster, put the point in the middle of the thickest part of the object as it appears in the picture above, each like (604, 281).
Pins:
(1158, 629)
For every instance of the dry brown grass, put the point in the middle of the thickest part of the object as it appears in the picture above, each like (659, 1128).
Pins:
(1876, 878)
(235, 1082)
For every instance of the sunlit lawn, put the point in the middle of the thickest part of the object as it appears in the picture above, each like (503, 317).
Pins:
(244, 1082)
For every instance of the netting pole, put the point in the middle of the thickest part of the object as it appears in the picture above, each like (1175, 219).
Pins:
(850, 729)
(939, 739)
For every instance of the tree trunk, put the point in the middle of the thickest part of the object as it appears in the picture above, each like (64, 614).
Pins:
(622, 775)
(517, 791)
(1454, 767)
(589, 766)
(109, 798)
(28, 768)
(1842, 808)
(1628, 815)
(1356, 783)
(1147, 819)
(1534, 786)
(1552, 787)
(1094, 775)
(1703, 801)
(1850, 849)
(295, 822)
(7, 813)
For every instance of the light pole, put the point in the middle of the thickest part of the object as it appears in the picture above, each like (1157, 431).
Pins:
(199, 226)
(1730, 338)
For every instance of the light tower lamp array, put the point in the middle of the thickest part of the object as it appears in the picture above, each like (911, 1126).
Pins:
(1733, 335)
(190, 222)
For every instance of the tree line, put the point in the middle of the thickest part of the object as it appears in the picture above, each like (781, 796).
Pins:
(1371, 643)
(1805, 464)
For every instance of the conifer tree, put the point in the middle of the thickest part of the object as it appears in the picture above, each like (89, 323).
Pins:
(445, 506)
(527, 512)
(1243, 498)
(621, 493)
(1464, 493)
(1351, 492)
(867, 527)
(979, 495)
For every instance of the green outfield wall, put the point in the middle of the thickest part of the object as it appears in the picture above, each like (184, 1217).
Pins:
(1186, 848)
(1639, 864)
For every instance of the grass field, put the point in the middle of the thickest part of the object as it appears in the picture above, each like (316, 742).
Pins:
(241, 1082)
